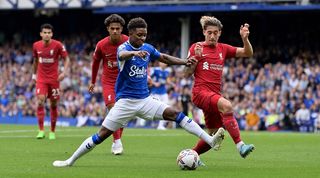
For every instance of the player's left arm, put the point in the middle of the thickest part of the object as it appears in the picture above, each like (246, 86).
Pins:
(63, 74)
(246, 50)
(171, 60)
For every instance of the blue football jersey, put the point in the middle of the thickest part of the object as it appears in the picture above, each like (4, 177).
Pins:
(132, 78)
(160, 76)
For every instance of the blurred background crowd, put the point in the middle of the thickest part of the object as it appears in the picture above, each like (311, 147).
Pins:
(277, 89)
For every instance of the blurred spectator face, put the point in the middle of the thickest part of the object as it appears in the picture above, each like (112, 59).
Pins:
(212, 34)
(46, 34)
(115, 30)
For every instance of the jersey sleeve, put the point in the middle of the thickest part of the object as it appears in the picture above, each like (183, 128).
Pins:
(34, 51)
(96, 58)
(230, 51)
(191, 51)
(63, 51)
(154, 54)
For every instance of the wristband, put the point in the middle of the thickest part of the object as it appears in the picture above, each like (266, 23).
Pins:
(34, 76)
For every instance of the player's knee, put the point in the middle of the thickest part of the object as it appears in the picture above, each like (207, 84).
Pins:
(226, 107)
(170, 114)
(104, 133)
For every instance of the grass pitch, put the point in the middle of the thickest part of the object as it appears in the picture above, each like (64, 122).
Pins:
(152, 154)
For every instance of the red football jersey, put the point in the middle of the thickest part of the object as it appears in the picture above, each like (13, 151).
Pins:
(208, 72)
(48, 59)
(107, 52)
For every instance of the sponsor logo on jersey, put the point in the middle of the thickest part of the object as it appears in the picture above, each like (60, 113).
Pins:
(205, 66)
(138, 72)
(46, 60)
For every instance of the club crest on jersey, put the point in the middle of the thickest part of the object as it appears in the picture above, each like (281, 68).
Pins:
(51, 52)
(220, 55)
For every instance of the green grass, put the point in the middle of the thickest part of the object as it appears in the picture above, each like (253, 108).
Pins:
(152, 153)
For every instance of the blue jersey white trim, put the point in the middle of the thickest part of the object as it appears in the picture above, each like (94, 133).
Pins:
(132, 77)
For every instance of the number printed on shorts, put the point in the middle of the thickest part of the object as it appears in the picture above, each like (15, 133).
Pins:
(55, 92)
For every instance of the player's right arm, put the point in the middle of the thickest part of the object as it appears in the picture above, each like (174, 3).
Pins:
(96, 59)
(35, 63)
(195, 51)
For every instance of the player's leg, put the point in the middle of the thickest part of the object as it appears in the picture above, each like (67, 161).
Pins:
(41, 92)
(109, 98)
(118, 117)
(54, 96)
(86, 146)
(163, 123)
(232, 127)
(207, 101)
(155, 109)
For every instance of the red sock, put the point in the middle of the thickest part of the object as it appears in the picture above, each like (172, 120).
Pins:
(40, 114)
(117, 134)
(53, 117)
(201, 147)
(232, 127)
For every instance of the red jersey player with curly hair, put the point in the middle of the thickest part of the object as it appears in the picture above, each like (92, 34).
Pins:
(106, 50)
(210, 55)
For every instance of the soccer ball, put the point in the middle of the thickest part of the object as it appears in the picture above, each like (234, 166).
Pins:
(188, 159)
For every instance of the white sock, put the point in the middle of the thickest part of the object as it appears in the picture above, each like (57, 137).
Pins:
(192, 127)
(117, 142)
(239, 144)
(84, 148)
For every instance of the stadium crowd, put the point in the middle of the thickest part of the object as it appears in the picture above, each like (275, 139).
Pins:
(268, 95)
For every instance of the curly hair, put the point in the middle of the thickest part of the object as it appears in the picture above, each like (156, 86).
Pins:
(114, 18)
(206, 21)
(137, 23)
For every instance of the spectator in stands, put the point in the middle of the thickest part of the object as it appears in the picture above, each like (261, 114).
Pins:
(252, 120)
(303, 118)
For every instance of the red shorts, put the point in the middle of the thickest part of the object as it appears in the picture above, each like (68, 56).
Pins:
(109, 94)
(50, 90)
(208, 102)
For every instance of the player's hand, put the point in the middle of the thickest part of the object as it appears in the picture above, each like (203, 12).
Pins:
(91, 88)
(34, 78)
(191, 61)
(141, 54)
(244, 31)
(198, 49)
(61, 76)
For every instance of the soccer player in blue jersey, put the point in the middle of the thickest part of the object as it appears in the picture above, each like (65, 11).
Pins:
(158, 90)
(132, 94)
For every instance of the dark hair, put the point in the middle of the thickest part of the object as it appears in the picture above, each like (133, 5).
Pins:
(137, 23)
(46, 26)
(114, 18)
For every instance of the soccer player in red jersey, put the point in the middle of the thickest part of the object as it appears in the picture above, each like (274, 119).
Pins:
(210, 56)
(47, 53)
(106, 50)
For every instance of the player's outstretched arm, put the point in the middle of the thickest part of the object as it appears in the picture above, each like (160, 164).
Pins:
(189, 70)
(126, 55)
(246, 50)
(171, 60)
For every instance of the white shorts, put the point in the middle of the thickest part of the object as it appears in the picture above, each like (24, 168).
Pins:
(163, 97)
(125, 110)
